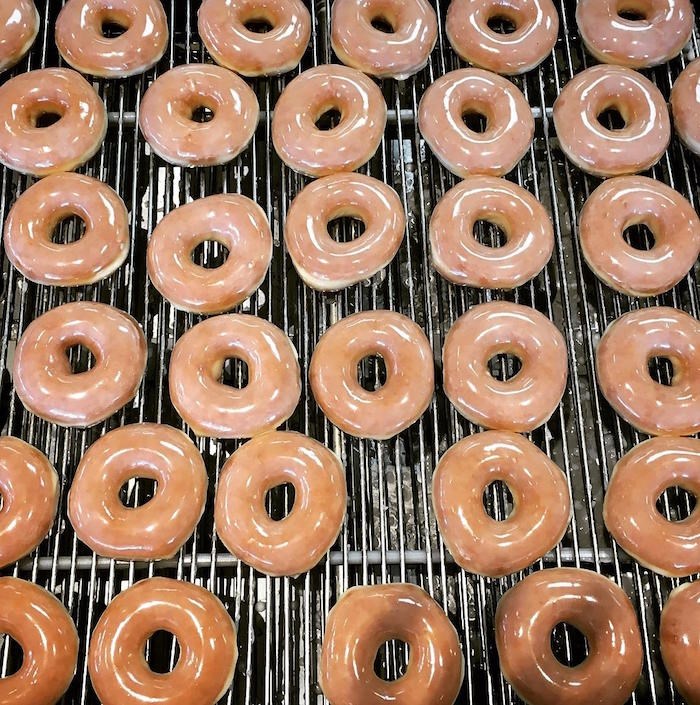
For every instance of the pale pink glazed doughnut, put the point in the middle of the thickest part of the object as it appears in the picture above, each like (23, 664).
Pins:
(169, 110)
(462, 259)
(222, 27)
(44, 380)
(396, 54)
(630, 200)
(304, 147)
(62, 146)
(536, 26)
(35, 215)
(234, 221)
(685, 106)
(214, 409)
(523, 402)
(82, 43)
(409, 385)
(19, 25)
(595, 148)
(328, 265)
(509, 122)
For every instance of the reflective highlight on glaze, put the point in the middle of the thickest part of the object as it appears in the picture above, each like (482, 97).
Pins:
(362, 620)
(400, 401)
(351, 143)
(622, 361)
(19, 25)
(119, 672)
(298, 542)
(234, 221)
(156, 529)
(523, 402)
(526, 616)
(685, 106)
(509, 123)
(593, 147)
(462, 259)
(44, 380)
(326, 264)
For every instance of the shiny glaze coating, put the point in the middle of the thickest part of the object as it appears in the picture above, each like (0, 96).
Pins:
(509, 122)
(62, 146)
(523, 402)
(629, 200)
(536, 28)
(659, 35)
(44, 380)
(236, 222)
(296, 543)
(82, 44)
(541, 504)
(167, 109)
(685, 106)
(326, 264)
(19, 25)
(397, 54)
(119, 672)
(526, 616)
(622, 361)
(219, 410)
(29, 492)
(351, 143)
(410, 379)
(359, 624)
(221, 25)
(668, 547)
(462, 259)
(40, 624)
(37, 212)
(597, 149)
(156, 529)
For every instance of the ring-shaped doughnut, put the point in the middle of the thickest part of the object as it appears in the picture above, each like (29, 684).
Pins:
(362, 620)
(509, 129)
(622, 364)
(410, 383)
(306, 148)
(685, 106)
(19, 25)
(234, 221)
(44, 380)
(326, 264)
(204, 630)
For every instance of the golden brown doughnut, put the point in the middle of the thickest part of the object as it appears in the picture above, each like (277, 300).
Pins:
(685, 106)
(19, 25)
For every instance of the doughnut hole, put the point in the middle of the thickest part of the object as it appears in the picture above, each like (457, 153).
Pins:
(498, 500)
(80, 358)
(162, 651)
(392, 659)
(258, 25)
(209, 254)
(489, 233)
(611, 118)
(475, 118)
(661, 369)
(328, 119)
(345, 228)
(371, 372)
(45, 113)
(502, 18)
(114, 23)
(202, 113)
(676, 503)
(279, 501)
(504, 366)
(639, 236)
(69, 229)
(234, 373)
(634, 10)
(569, 644)
(11, 656)
(138, 491)
(383, 24)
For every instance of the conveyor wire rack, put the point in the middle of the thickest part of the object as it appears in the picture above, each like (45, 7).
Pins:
(390, 532)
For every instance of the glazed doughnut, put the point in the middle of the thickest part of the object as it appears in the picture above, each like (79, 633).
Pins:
(661, 30)
(526, 616)
(509, 123)
(685, 106)
(410, 381)
(523, 402)
(156, 529)
(217, 410)
(40, 624)
(299, 541)
(359, 624)
(29, 492)
(328, 265)
(541, 504)
(168, 117)
(62, 146)
(601, 151)
(35, 215)
(536, 24)
(205, 633)
(396, 54)
(639, 478)
(235, 222)
(222, 27)
(622, 360)
(462, 259)
(44, 380)
(82, 44)
(302, 146)
(19, 25)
